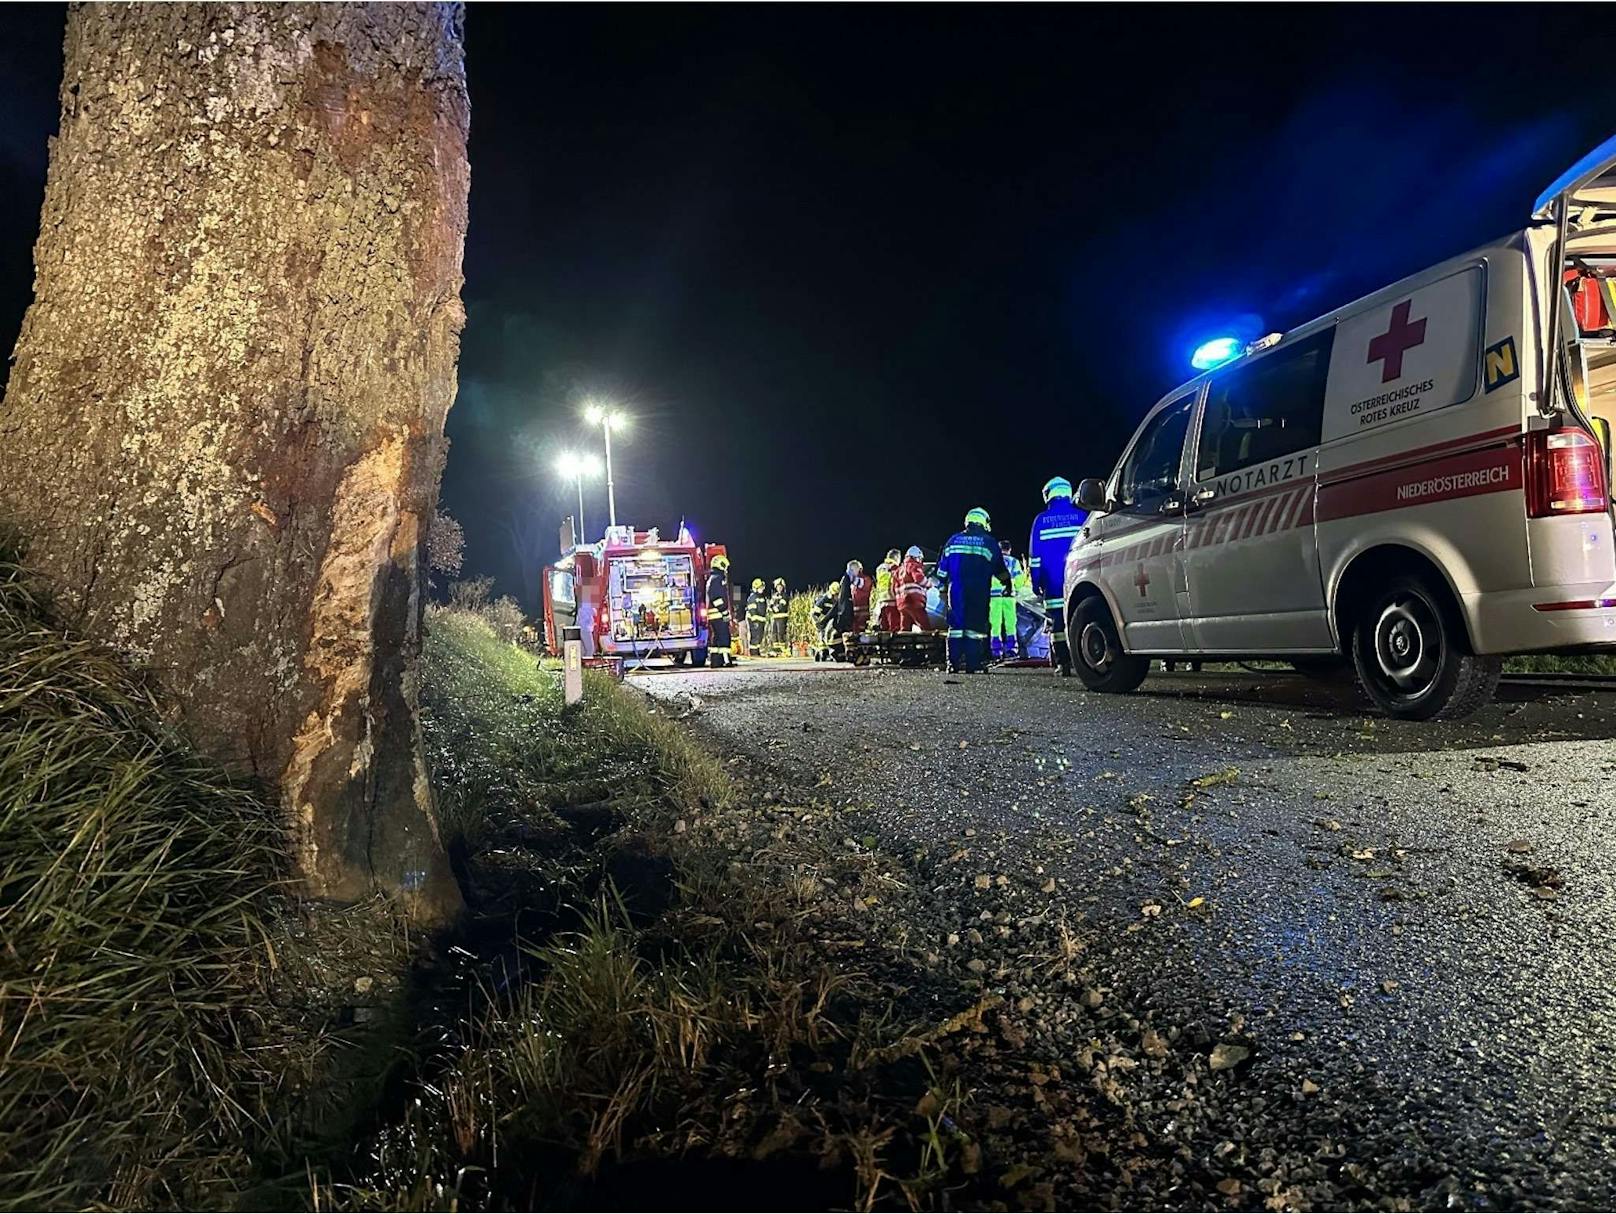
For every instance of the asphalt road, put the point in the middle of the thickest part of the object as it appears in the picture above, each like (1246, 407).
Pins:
(1410, 924)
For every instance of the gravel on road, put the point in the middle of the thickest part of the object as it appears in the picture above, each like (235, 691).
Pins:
(1340, 960)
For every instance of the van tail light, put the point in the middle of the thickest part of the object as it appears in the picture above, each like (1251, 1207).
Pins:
(1565, 473)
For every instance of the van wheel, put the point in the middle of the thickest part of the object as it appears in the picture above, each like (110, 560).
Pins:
(1412, 658)
(1097, 650)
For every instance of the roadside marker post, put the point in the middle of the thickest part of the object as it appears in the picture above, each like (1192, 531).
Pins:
(572, 665)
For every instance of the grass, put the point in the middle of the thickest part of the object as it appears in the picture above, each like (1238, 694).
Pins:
(138, 885)
(709, 1024)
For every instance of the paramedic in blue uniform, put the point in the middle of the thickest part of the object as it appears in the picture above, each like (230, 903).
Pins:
(1052, 534)
(971, 560)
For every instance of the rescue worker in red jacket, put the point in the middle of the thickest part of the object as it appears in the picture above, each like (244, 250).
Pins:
(910, 586)
(853, 599)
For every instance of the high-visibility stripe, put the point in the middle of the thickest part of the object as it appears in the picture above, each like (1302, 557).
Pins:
(955, 633)
(1036, 561)
(1055, 533)
(975, 636)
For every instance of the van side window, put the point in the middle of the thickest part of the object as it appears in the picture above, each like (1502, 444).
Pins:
(1264, 409)
(1150, 472)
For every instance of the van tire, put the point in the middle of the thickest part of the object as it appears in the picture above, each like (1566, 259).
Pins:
(1412, 657)
(1097, 653)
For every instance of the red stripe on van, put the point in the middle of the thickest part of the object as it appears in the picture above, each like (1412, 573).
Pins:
(1495, 469)
(1272, 513)
(1418, 454)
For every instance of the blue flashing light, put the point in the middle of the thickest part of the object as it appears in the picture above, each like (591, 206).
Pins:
(1595, 164)
(1216, 352)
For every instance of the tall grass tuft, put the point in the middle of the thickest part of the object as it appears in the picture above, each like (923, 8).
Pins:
(135, 885)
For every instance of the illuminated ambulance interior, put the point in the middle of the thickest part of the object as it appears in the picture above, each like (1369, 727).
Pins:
(653, 596)
(1590, 282)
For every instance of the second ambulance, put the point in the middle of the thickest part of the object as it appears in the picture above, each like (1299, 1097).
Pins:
(1416, 484)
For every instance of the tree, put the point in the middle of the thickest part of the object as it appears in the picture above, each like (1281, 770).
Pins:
(445, 545)
(223, 431)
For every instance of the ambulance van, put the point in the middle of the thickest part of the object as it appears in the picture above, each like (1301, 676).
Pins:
(1412, 487)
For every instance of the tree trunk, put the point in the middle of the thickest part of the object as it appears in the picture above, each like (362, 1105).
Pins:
(223, 430)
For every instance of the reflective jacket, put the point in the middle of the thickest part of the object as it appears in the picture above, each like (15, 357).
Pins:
(1021, 576)
(1052, 534)
(1014, 566)
(910, 579)
(885, 573)
(779, 604)
(971, 560)
(717, 596)
(756, 606)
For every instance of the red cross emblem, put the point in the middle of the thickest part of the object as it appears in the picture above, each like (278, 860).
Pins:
(1142, 581)
(1401, 336)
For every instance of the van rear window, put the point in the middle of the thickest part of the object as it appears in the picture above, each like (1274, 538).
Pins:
(1261, 410)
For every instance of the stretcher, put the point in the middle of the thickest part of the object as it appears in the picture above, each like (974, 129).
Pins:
(922, 648)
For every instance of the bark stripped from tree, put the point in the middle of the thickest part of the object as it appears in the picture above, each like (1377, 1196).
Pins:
(223, 429)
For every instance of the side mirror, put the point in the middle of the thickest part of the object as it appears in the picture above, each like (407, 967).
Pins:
(1091, 494)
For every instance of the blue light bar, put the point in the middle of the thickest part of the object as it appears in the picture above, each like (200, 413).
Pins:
(1577, 175)
(1216, 352)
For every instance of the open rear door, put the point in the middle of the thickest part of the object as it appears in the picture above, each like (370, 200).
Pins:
(1589, 188)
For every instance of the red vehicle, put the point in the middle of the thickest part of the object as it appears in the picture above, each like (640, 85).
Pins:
(632, 595)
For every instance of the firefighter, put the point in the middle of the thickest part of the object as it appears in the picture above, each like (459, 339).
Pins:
(718, 635)
(884, 603)
(970, 562)
(823, 616)
(779, 614)
(1002, 607)
(911, 586)
(1052, 535)
(757, 617)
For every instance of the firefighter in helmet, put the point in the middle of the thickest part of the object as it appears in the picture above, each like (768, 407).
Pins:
(757, 617)
(779, 614)
(719, 652)
(970, 563)
(1052, 534)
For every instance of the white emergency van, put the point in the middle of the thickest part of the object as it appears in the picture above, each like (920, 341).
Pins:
(1415, 485)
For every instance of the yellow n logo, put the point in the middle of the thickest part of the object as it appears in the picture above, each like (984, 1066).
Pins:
(1499, 365)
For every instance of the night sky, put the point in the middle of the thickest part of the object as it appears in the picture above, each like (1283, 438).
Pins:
(854, 270)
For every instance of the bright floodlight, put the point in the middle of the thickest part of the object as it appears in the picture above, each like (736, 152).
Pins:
(597, 414)
(575, 467)
(1215, 353)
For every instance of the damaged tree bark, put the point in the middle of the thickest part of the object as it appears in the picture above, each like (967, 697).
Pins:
(223, 430)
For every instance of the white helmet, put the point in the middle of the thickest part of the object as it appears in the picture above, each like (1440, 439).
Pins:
(914, 551)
